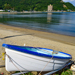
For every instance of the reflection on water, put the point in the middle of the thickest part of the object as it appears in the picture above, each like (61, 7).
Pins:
(61, 23)
(1, 16)
(49, 17)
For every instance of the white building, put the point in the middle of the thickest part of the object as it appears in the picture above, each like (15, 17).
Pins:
(50, 7)
(1, 10)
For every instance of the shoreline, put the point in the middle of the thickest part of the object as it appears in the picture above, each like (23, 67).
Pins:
(46, 35)
(8, 12)
(13, 12)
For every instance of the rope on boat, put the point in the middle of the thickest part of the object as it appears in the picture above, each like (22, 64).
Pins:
(3, 56)
(15, 65)
(46, 64)
(53, 52)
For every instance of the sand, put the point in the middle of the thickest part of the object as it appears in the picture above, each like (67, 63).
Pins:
(21, 36)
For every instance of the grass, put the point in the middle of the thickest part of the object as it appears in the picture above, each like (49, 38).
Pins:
(64, 72)
(67, 72)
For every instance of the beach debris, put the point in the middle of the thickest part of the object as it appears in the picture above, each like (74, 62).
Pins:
(73, 69)
(24, 44)
(2, 74)
(34, 72)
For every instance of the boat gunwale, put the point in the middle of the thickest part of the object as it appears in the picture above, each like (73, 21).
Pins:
(21, 49)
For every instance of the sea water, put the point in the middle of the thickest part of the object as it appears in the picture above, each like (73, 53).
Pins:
(55, 22)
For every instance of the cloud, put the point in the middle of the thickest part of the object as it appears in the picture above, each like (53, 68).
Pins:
(71, 0)
(68, 0)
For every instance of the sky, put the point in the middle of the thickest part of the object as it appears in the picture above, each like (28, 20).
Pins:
(71, 1)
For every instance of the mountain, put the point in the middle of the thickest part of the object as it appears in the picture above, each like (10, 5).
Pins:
(38, 5)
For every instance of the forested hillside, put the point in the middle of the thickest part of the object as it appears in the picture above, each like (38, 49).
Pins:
(38, 5)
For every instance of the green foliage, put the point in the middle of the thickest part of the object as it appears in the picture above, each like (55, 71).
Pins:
(68, 72)
(70, 6)
(6, 6)
(39, 5)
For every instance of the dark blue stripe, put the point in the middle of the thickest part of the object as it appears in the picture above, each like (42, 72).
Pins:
(24, 50)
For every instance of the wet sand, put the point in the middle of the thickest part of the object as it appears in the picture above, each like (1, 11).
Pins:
(21, 36)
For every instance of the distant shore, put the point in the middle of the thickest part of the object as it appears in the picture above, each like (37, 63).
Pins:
(14, 12)
(8, 12)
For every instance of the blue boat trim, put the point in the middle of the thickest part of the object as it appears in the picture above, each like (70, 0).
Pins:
(24, 49)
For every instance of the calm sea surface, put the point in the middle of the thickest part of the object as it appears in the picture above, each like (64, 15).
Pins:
(61, 23)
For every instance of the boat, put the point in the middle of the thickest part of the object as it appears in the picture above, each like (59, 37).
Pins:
(33, 58)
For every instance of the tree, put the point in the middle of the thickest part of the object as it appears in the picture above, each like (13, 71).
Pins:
(6, 6)
(38, 5)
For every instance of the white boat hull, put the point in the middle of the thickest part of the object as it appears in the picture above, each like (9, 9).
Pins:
(28, 62)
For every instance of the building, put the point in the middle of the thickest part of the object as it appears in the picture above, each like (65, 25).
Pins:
(1, 10)
(50, 7)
